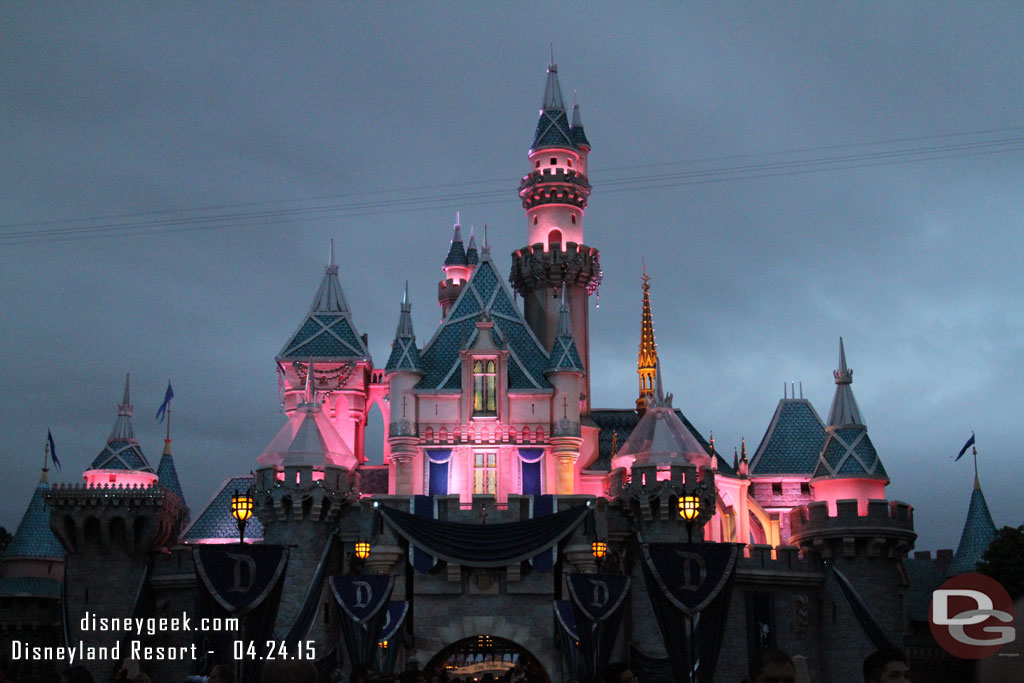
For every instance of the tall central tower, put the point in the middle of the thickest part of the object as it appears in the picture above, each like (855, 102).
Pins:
(554, 195)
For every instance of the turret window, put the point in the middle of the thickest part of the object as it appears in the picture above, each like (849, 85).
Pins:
(485, 381)
(554, 161)
(569, 161)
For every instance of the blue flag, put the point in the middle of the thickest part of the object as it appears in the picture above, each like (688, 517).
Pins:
(970, 442)
(166, 404)
(53, 449)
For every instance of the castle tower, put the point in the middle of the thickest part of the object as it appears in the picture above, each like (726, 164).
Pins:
(327, 336)
(457, 268)
(647, 357)
(849, 466)
(566, 375)
(404, 370)
(979, 530)
(304, 477)
(109, 527)
(554, 195)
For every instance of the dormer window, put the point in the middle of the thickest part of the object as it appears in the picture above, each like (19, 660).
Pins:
(485, 382)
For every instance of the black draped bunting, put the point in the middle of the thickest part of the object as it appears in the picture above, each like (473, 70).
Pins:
(861, 611)
(690, 585)
(304, 620)
(243, 581)
(568, 636)
(391, 632)
(364, 602)
(597, 601)
(484, 545)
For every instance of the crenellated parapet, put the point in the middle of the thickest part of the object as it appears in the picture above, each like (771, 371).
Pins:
(128, 518)
(886, 529)
(554, 186)
(303, 493)
(534, 267)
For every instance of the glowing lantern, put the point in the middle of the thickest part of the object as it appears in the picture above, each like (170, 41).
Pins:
(599, 548)
(362, 550)
(241, 510)
(689, 507)
(382, 644)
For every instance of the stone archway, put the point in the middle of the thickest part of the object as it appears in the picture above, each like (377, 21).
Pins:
(472, 659)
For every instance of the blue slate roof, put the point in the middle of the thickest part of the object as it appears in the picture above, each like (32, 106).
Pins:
(484, 292)
(168, 475)
(848, 452)
(456, 254)
(215, 521)
(979, 530)
(792, 442)
(325, 335)
(564, 355)
(30, 586)
(404, 356)
(610, 421)
(33, 537)
(553, 130)
(121, 455)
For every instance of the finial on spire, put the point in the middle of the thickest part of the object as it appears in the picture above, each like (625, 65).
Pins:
(331, 263)
(487, 245)
(405, 294)
(126, 401)
(552, 62)
(843, 375)
(308, 393)
(457, 233)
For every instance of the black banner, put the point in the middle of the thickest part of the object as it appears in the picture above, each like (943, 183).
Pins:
(243, 581)
(597, 601)
(364, 601)
(391, 633)
(568, 636)
(690, 585)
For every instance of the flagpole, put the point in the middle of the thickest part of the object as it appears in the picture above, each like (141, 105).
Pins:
(977, 484)
(46, 455)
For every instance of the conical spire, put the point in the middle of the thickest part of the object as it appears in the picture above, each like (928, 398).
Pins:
(456, 252)
(647, 356)
(844, 407)
(553, 126)
(404, 354)
(472, 256)
(33, 538)
(122, 430)
(329, 297)
(564, 354)
(979, 530)
(579, 138)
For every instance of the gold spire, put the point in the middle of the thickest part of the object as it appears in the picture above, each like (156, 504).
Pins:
(647, 358)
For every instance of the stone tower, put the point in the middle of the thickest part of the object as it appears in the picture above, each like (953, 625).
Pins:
(554, 195)
(404, 370)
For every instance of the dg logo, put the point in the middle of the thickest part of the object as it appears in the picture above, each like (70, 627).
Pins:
(971, 616)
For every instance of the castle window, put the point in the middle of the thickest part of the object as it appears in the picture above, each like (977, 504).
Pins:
(805, 488)
(776, 488)
(485, 473)
(554, 237)
(538, 163)
(535, 220)
(569, 161)
(485, 380)
(574, 219)
(554, 160)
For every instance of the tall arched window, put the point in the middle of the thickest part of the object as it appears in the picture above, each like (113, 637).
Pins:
(485, 383)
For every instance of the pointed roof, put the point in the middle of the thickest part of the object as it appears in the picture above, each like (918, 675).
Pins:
(122, 451)
(553, 126)
(564, 355)
(661, 438)
(327, 332)
(33, 537)
(308, 438)
(844, 407)
(979, 530)
(485, 293)
(579, 138)
(792, 442)
(404, 354)
(167, 474)
(847, 451)
(472, 255)
(456, 253)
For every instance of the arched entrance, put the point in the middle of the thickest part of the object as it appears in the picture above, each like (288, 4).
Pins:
(473, 659)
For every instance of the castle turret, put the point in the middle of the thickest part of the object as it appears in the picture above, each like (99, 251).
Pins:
(456, 269)
(565, 373)
(647, 356)
(404, 370)
(849, 466)
(121, 462)
(327, 336)
(554, 195)
(979, 530)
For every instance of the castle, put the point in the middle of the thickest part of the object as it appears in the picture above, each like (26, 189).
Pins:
(490, 428)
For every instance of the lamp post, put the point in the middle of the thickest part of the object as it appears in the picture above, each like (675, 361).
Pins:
(241, 510)
(689, 510)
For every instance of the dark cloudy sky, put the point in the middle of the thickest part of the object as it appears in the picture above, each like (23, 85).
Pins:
(172, 173)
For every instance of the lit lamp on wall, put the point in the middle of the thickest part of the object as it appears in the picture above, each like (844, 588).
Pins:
(241, 510)
(689, 510)
(599, 548)
(362, 550)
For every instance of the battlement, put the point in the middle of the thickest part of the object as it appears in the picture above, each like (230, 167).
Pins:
(81, 495)
(533, 267)
(552, 176)
(942, 561)
(887, 528)
(758, 560)
(484, 508)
